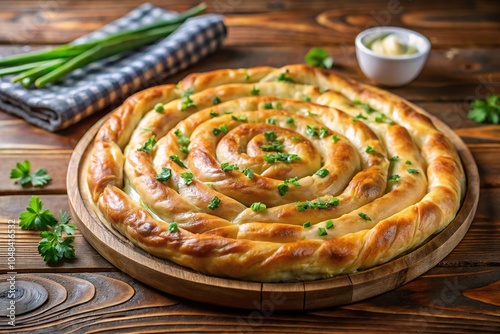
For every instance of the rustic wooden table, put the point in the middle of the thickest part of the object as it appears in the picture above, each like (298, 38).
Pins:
(461, 294)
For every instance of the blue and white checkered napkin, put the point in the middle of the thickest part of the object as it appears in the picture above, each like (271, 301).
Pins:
(97, 85)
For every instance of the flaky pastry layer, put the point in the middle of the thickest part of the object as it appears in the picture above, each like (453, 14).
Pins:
(273, 174)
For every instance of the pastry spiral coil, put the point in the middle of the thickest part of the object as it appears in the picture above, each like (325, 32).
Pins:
(273, 174)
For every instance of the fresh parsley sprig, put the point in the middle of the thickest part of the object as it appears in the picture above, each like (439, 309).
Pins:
(53, 247)
(22, 172)
(318, 57)
(487, 111)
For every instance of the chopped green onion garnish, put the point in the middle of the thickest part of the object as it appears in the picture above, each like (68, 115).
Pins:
(271, 121)
(293, 180)
(258, 206)
(248, 172)
(364, 216)
(408, 162)
(214, 203)
(322, 232)
(216, 100)
(289, 120)
(172, 227)
(413, 171)
(268, 105)
(297, 138)
(241, 118)
(370, 149)
(213, 114)
(188, 177)
(283, 189)
(164, 175)
(306, 224)
(227, 167)
(335, 138)
(323, 132)
(394, 158)
(159, 107)
(255, 91)
(394, 178)
(322, 172)
(306, 98)
(148, 144)
(176, 159)
(284, 77)
(329, 224)
(270, 135)
(273, 147)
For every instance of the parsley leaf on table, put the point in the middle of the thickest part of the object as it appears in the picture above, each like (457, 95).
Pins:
(35, 218)
(487, 111)
(53, 247)
(22, 172)
(318, 57)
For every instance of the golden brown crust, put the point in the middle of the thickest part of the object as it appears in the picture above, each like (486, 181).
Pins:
(260, 135)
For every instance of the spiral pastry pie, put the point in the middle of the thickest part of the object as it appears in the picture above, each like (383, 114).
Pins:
(272, 175)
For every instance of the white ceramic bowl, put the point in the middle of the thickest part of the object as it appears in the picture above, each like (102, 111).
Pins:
(392, 70)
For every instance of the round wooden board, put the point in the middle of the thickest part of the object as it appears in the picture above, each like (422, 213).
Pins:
(186, 283)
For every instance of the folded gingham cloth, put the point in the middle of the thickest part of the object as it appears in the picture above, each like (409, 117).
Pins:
(102, 83)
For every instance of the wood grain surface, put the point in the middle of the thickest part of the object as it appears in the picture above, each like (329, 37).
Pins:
(461, 294)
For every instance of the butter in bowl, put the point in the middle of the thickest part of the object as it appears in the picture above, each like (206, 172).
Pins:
(391, 56)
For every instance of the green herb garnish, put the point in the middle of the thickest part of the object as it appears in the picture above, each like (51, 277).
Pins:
(148, 144)
(248, 172)
(487, 111)
(280, 156)
(270, 135)
(394, 158)
(227, 167)
(394, 178)
(159, 107)
(322, 232)
(268, 105)
(52, 247)
(306, 225)
(322, 172)
(216, 100)
(329, 224)
(22, 172)
(364, 216)
(318, 57)
(188, 177)
(273, 147)
(214, 203)
(258, 206)
(335, 138)
(271, 121)
(365, 106)
(289, 120)
(178, 161)
(172, 227)
(413, 171)
(255, 91)
(284, 77)
(370, 149)
(164, 175)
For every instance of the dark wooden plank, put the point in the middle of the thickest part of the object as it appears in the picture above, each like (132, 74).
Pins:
(263, 22)
(445, 300)
(26, 242)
